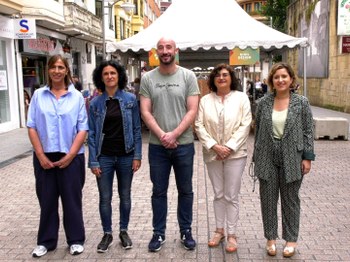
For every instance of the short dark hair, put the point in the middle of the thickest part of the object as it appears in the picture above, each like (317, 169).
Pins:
(97, 75)
(234, 82)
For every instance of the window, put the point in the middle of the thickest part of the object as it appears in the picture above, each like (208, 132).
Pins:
(136, 12)
(248, 8)
(122, 29)
(5, 115)
(110, 18)
(98, 9)
(257, 6)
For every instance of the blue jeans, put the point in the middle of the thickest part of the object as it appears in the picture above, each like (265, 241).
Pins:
(161, 160)
(122, 166)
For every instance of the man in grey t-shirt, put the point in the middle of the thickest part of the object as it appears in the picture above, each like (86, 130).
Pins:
(169, 97)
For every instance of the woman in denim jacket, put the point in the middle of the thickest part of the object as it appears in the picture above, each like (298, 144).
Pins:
(114, 146)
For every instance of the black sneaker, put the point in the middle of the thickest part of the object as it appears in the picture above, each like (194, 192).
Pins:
(106, 242)
(125, 239)
(156, 243)
(187, 240)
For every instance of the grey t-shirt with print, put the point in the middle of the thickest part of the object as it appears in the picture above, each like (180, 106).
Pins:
(168, 94)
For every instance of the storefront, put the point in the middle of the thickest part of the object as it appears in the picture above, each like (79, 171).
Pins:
(9, 104)
(34, 55)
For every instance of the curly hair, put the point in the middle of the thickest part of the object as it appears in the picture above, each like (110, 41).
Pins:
(97, 75)
(234, 81)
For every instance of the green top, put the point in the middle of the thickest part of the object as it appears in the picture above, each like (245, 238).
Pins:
(278, 122)
(168, 94)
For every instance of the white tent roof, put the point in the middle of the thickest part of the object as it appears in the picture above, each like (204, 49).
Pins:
(207, 24)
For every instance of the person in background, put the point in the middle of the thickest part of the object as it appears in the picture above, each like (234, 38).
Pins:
(95, 93)
(283, 153)
(222, 126)
(264, 86)
(26, 102)
(169, 98)
(34, 88)
(114, 147)
(77, 83)
(57, 126)
(136, 86)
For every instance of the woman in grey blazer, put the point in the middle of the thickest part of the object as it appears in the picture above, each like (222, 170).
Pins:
(282, 154)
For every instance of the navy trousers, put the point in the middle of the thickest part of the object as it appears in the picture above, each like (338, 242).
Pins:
(66, 183)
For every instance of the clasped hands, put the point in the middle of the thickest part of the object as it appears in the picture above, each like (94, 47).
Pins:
(168, 140)
(222, 152)
(46, 163)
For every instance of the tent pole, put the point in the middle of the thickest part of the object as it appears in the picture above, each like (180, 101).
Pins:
(254, 80)
(304, 80)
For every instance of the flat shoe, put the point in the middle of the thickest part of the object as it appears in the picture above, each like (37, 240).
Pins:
(231, 245)
(271, 250)
(288, 251)
(217, 239)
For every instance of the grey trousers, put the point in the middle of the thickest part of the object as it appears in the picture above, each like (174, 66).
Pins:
(290, 206)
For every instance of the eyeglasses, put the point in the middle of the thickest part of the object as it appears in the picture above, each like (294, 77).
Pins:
(222, 75)
(59, 68)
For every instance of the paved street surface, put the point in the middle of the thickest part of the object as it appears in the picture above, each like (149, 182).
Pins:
(325, 222)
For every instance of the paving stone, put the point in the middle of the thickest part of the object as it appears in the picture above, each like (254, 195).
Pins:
(324, 232)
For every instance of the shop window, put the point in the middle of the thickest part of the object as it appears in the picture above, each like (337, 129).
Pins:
(33, 69)
(4, 88)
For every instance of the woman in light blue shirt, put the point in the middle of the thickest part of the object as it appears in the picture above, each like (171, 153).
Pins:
(57, 127)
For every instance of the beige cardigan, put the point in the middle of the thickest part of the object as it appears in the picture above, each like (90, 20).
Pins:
(226, 123)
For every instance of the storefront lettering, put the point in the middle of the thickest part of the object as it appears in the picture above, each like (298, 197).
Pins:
(41, 44)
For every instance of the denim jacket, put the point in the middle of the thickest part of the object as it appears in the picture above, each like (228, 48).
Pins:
(131, 125)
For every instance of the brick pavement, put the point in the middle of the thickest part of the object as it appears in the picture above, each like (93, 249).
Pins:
(324, 234)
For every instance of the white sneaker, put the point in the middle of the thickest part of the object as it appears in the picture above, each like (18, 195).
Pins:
(39, 251)
(76, 249)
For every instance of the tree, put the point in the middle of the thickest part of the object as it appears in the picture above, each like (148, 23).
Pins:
(277, 9)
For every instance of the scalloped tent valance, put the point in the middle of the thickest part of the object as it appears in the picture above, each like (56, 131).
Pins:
(208, 25)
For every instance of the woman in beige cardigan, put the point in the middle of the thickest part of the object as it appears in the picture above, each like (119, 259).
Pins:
(222, 126)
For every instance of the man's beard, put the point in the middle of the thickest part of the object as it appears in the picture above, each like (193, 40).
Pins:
(170, 61)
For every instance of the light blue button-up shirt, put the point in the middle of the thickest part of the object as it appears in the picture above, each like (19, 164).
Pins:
(57, 122)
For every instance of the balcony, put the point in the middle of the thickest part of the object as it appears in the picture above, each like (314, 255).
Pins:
(10, 7)
(81, 23)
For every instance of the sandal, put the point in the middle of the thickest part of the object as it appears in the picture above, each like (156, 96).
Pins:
(271, 249)
(231, 245)
(217, 239)
(289, 251)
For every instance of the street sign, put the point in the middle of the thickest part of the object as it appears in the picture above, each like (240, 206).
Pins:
(345, 47)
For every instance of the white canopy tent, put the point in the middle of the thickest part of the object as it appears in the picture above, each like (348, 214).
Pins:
(205, 31)
(206, 25)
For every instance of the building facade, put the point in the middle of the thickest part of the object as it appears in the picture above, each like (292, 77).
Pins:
(327, 61)
(9, 86)
(76, 29)
(70, 28)
(253, 8)
(144, 14)
(164, 5)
